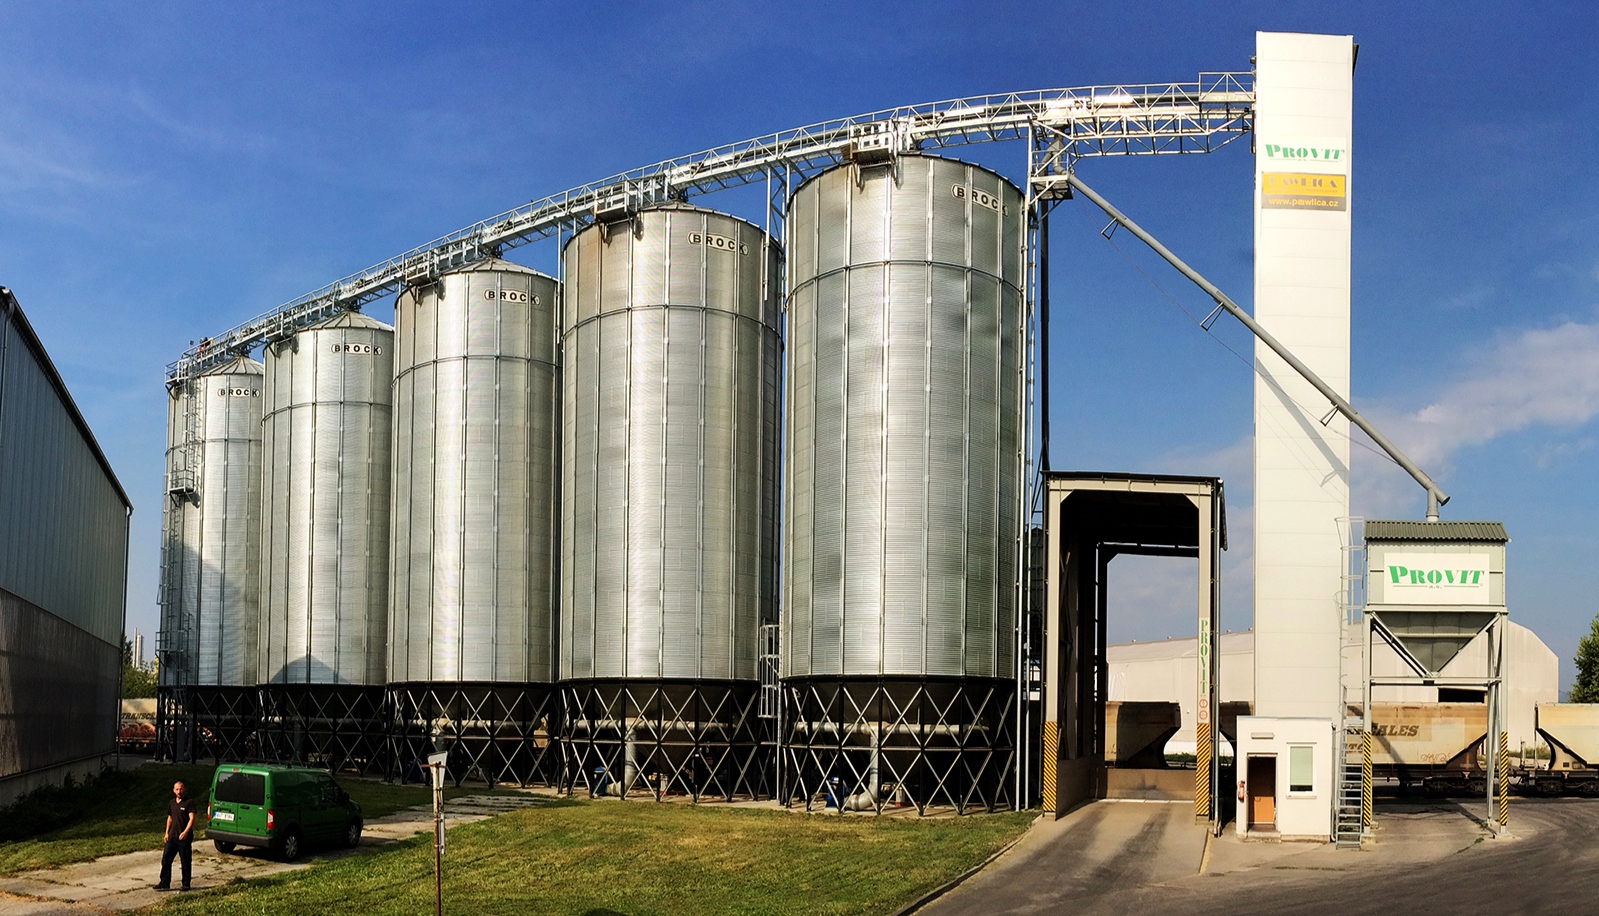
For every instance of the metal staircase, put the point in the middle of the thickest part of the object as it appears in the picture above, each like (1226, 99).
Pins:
(1349, 817)
(1352, 803)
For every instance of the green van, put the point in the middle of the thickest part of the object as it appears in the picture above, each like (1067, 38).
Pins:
(281, 808)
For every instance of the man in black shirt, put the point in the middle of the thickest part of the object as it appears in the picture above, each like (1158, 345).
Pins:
(180, 838)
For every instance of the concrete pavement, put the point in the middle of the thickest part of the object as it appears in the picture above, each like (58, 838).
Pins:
(1095, 849)
(1428, 858)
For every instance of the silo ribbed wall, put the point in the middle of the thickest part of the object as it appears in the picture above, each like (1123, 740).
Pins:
(326, 433)
(669, 512)
(670, 445)
(472, 564)
(473, 589)
(212, 584)
(902, 460)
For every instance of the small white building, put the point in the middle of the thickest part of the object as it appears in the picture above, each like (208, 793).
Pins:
(1164, 670)
(1286, 780)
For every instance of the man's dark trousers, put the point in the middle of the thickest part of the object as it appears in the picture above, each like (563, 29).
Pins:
(183, 849)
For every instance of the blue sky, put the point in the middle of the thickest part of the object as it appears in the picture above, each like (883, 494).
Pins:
(169, 170)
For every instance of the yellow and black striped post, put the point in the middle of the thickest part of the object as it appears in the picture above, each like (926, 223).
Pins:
(1504, 779)
(1051, 749)
(1365, 778)
(1202, 771)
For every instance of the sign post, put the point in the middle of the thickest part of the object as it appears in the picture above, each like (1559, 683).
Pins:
(436, 766)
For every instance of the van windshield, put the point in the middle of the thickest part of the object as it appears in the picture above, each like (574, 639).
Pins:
(242, 789)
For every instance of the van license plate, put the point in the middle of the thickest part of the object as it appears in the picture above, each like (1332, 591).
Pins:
(222, 816)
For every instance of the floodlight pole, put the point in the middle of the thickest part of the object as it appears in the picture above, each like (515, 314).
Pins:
(1436, 497)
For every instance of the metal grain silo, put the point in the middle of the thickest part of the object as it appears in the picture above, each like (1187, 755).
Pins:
(669, 500)
(325, 557)
(902, 472)
(211, 555)
(472, 564)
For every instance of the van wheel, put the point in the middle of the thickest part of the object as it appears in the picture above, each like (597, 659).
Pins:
(223, 846)
(352, 834)
(289, 846)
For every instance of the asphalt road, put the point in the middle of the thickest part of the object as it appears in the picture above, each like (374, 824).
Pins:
(1431, 859)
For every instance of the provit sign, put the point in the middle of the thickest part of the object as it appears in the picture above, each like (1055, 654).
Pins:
(1312, 154)
(1435, 578)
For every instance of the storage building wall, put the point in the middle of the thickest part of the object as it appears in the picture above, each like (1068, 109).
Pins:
(63, 572)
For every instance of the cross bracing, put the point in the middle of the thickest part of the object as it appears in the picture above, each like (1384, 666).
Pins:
(1063, 124)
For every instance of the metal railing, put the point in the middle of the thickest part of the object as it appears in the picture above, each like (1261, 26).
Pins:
(1110, 120)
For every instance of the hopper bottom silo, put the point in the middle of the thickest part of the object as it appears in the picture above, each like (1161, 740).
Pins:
(902, 496)
(867, 745)
(694, 739)
(336, 726)
(496, 732)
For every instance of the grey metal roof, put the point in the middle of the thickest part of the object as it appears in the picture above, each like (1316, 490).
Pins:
(1406, 530)
(352, 320)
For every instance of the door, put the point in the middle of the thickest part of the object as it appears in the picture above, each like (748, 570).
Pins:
(1262, 778)
(330, 816)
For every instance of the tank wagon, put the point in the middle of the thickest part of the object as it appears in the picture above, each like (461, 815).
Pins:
(211, 546)
(902, 463)
(473, 526)
(324, 565)
(672, 361)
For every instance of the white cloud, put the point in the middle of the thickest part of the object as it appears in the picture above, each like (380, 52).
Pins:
(1546, 377)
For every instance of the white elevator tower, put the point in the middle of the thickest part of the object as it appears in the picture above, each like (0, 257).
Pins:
(1304, 87)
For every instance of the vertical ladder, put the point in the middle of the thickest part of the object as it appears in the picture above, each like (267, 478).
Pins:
(173, 640)
(769, 671)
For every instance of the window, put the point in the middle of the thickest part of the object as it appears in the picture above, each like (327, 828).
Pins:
(242, 789)
(1301, 768)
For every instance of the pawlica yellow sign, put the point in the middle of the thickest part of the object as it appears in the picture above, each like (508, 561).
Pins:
(1303, 191)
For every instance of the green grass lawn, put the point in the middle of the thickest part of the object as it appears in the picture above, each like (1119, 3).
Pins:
(125, 812)
(604, 858)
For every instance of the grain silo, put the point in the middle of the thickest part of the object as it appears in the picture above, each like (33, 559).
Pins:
(473, 526)
(672, 362)
(902, 470)
(325, 558)
(211, 561)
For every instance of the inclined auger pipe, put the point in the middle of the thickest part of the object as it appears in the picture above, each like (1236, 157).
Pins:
(1436, 497)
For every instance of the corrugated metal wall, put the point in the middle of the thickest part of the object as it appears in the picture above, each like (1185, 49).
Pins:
(904, 410)
(672, 366)
(63, 522)
(325, 561)
(63, 566)
(472, 589)
(58, 689)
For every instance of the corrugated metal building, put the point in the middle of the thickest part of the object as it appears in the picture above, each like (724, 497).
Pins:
(63, 574)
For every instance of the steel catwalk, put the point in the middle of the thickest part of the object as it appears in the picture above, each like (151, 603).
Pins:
(211, 575)
(902, 461)
(669, 513)
(325, 561)
(472, 588)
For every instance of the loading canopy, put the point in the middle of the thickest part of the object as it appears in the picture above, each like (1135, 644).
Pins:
(1092, 518)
